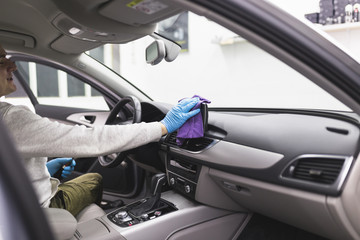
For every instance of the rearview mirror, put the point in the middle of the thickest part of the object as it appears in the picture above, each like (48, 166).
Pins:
(155, 52)
(161, 48)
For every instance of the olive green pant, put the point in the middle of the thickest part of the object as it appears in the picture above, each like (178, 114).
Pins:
(76, 194)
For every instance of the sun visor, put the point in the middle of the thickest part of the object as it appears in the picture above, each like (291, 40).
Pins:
(139, 12)
(14, 38)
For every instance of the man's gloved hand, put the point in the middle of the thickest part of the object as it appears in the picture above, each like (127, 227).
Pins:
(57, 164)
(68, 169)
(179, 114)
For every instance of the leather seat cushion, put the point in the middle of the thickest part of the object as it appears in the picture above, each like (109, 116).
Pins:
(90, 212)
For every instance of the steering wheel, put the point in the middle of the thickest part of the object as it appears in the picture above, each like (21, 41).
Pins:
(126, 111)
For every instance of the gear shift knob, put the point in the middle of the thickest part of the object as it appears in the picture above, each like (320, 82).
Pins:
(151, 202)
(157, 182)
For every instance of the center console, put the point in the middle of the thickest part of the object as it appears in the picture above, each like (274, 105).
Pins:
(131, 214)
(171, 215)
(146, 209)
(190, 220)
(174, 217)
(183, 175)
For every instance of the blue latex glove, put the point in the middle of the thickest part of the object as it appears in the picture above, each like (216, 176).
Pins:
(68, 169)
(57, 164)
(179, 114)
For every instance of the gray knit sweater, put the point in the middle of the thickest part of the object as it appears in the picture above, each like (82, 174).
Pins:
(37, 138)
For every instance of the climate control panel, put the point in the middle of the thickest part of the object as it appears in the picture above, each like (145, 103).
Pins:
(183, 176)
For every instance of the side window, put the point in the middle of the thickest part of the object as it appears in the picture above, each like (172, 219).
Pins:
(20, 97)
(52, 86)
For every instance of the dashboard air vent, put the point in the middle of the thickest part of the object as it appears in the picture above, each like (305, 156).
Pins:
(171, 139)
(194, 144)
(317, 169)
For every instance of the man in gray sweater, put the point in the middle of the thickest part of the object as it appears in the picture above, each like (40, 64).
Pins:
(38, 138)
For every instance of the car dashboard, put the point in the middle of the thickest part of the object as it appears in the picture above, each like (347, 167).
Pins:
(293, 166)
(313, 153)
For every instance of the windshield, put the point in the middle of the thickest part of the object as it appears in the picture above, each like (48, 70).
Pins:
(218, 65)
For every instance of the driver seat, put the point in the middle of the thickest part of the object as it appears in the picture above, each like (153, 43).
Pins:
(90, 212)
(64, 224)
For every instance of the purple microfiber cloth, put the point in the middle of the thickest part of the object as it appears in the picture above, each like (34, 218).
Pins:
(193, 127)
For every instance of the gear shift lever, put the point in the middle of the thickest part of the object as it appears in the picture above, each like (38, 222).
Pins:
(157, 182)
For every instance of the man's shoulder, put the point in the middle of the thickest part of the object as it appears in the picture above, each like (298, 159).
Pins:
(4, 104)
(5, 107)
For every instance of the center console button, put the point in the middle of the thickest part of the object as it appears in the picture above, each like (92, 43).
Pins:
(144, 216)
(172, 181)
(122, 215)
(187, 189)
